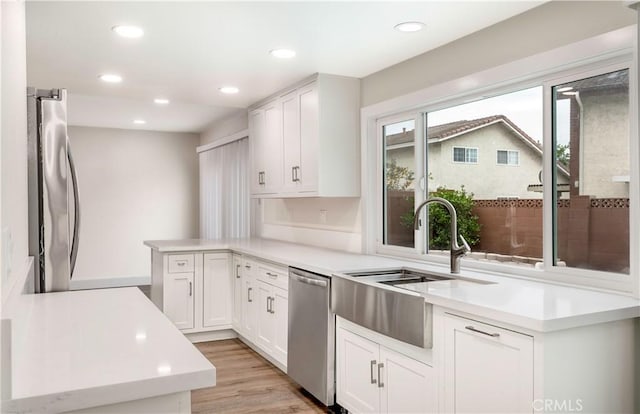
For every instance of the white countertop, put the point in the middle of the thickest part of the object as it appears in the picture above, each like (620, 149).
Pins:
(541, 307)
(79, 349)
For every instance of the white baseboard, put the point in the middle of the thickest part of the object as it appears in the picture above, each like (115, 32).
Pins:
(109, 282)
(197, 337)
(263, 354)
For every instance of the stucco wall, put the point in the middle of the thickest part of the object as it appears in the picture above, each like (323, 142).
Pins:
(605, 144)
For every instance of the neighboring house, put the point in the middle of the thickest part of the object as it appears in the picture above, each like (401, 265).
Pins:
(599, 113)
(492, 157)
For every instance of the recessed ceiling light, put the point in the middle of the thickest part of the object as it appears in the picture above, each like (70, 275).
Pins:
(569, 93)
(139, 121)
(409, 26)
(130, 32)
(161, 101)
(110, 78)
(283, 53)
(229, 90)
(565, 89)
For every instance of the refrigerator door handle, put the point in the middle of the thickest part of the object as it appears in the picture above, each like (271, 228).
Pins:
(76, 211)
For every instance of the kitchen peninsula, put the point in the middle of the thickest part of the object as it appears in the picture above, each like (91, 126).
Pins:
(105, 350)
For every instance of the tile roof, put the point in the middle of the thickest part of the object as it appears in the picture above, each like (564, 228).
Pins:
(451, 129)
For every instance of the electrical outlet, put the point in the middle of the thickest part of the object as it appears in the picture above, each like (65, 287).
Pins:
(323, 216)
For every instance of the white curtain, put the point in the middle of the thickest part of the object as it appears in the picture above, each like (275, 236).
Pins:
(224, 191)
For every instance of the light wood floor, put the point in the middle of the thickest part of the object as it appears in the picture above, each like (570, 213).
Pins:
(247, 383)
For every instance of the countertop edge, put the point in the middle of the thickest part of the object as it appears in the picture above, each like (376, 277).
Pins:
(112, 394)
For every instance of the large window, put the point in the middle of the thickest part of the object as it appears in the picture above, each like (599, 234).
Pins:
(399, 182)
(512, 215)
(591, 142)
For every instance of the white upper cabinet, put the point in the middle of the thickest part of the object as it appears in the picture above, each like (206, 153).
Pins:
(256, 132)
(305, 140)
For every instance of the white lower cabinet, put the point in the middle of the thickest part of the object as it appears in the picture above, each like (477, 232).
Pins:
(178, 299)
(371, 378)
(249, 308)
(272, 326)
(217, 300)
(486, 369)
(273, 311)
(261, 306)
(280, 314)
(193, 289)
(266, 329)
(236, 313)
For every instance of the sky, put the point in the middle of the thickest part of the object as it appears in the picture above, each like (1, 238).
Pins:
(523, 107)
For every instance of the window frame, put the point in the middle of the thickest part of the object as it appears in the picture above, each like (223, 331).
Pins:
(453, 155)
(583, 59)
(507, 163)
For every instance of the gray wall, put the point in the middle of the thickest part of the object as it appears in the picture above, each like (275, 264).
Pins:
(134, 185)
(546, 27)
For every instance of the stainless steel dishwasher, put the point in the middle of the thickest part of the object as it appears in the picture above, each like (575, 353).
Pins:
(311, 344)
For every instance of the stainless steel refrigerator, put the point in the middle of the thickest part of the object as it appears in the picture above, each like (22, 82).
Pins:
(54, 211)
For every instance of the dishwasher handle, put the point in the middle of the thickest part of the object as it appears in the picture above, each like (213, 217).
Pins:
(309, 281)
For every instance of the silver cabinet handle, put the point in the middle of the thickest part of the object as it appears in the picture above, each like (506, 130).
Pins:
(273, 311)
(380, 383)
(249, 295)
(268, 304)
(181, 263)
(295, 174)
(373, 365)
(272, 275)
(247, 266)
(493, 335)
(190, 289)
(237, 271)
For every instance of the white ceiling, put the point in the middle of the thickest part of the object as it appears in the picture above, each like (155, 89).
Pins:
(190, 49)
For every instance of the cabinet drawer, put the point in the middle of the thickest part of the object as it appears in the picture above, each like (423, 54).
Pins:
(274, 276)
(179, 263)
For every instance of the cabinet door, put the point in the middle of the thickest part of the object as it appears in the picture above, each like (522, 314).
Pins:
(256, 134)
(406, 385)
(357, 373)
(487, 369)
(291, 140)
(237, 294)
(217, 290)
(178, 299)
(309, 133)
(249, 308)
(272, 149)
(265, 332)
(280, 314)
